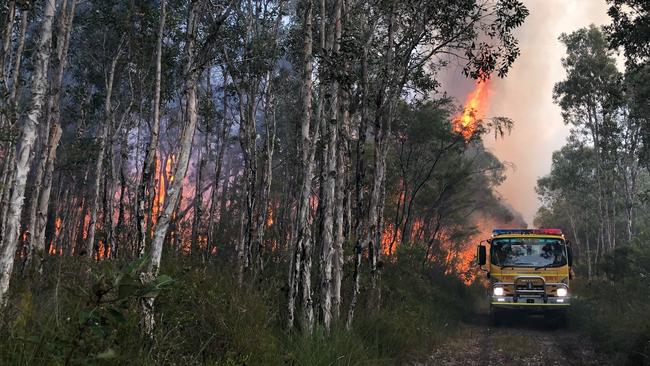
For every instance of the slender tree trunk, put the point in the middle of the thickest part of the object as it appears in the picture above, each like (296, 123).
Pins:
(223, 143)
(247, 140)
(340, 213)
(198, 199)
(331, 177)
(7, 182)
(267, 171)
(300, 269)
(64, 32)
(8, 117)
(190, 76)
(99, 164)
(26, 143)
(6, 43)
(145, 188)
(120, 228)
(359, 183)
(42, 161)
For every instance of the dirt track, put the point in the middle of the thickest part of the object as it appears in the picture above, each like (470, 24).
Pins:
(523, 340)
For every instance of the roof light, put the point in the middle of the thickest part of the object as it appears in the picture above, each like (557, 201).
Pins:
(496, 232)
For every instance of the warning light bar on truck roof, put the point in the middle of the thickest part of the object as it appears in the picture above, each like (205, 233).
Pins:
(496, 232)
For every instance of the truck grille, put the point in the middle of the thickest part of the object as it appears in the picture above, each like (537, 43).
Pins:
(530, 286)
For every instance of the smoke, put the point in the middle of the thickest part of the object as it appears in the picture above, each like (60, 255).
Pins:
(525, 95)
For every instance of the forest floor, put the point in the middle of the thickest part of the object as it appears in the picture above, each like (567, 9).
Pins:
(523, 340)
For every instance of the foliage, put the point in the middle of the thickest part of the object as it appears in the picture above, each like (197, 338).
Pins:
(615, 312)
(78, 317)
(630, 29)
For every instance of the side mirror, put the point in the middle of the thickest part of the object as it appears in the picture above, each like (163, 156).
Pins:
(481, 255)
(569, 252)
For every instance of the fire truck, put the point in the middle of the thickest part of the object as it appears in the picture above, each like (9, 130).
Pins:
(528, 270)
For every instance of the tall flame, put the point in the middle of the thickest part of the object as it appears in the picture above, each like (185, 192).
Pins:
(162, 175)
(475, 108)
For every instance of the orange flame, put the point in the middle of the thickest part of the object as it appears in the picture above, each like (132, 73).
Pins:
(161, 186)
(86, 226)
(269, 217)
(475, 107)
(103, 251)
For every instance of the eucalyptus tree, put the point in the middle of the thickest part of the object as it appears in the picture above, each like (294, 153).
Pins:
(413, 40)
(28, 125)
(202, 37)
(630, 29)
(300, 262)
(10, 81)
(146, 182)
(569, 192)
(250, 55)
(45, 165)
(590, 99)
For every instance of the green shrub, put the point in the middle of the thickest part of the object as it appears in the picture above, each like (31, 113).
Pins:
(615, 310)
(89, 313)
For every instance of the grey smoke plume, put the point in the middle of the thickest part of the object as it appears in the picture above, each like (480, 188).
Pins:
(526, 95)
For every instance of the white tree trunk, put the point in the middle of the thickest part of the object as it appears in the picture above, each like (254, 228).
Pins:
(223, 143)
(144, 195)
(29, 122)
(300, 268)
(65, 29)
(99, 164)
(6, 43)
(8, 118)
(329, 189)
(190, 75)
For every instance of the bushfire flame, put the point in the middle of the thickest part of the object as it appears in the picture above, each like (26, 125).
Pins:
(475, 108)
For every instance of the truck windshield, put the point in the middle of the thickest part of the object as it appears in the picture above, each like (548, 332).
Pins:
(528, 252)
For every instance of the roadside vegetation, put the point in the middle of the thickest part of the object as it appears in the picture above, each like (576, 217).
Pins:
(599, 184)
(614, 308)
(90, 315)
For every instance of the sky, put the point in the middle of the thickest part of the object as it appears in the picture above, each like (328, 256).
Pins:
(526, 96)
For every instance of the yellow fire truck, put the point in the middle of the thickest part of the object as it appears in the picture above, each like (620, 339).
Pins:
(528, 270)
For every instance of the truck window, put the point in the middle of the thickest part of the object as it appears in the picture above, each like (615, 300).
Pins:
(528, 252)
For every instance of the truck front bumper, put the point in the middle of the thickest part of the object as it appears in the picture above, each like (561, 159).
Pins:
(529, 292)
(531, 303)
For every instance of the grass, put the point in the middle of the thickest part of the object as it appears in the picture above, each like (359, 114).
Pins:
(203, 317)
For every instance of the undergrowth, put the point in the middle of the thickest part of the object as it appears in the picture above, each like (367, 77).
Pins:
(614, 308)
(88, 313)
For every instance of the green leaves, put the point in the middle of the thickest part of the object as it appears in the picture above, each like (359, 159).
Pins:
(162, 282)
(112, 304)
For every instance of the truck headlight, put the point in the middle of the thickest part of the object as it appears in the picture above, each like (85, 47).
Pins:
(498, 291)
(561, 292)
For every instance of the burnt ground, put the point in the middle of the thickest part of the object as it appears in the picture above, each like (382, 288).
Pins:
(522, 340)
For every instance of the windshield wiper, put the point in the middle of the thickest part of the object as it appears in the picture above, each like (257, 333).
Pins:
(550, 265)
(503, 267)
(513, 266)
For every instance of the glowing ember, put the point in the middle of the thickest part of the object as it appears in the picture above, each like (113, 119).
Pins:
(269, 217)
(475, 107)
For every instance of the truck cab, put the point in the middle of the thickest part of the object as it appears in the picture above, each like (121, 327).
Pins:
(529, 270)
